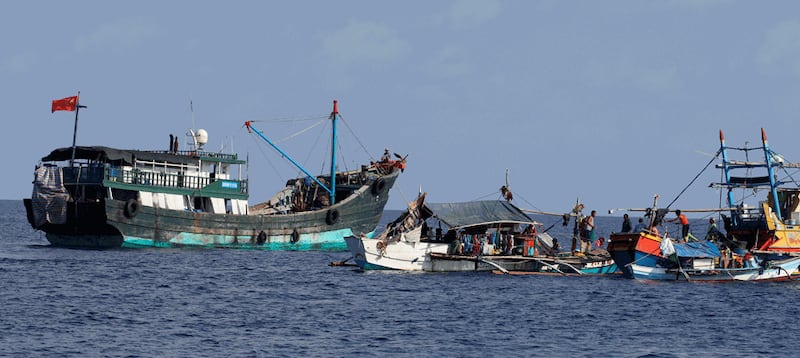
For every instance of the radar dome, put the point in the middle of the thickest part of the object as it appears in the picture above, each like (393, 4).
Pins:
(202, 137)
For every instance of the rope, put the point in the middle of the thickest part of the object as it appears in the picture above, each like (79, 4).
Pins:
(695, 178)
(485, 196)
(551, 226)
(300, 132)
(357, 139)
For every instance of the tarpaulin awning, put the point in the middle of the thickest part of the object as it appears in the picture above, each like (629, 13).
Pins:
(473, 213)
(103, 154)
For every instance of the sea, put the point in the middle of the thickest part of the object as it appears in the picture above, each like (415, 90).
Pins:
(57, 302)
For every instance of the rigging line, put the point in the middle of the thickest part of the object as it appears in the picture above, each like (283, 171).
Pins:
(403, 195)
(528, 202)
(552, 225)
(485, 196)
(789, 175)
(695, 178)
(357, 139)
(293, 119)
(342, 159)
(301, 131)
(325, 156)
(260, 146)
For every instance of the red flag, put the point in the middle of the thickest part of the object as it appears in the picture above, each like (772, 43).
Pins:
(65, 104)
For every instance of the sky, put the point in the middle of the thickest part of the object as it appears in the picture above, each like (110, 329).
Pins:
(603, 102)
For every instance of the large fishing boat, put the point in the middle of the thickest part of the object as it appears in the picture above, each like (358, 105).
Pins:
(103, 197)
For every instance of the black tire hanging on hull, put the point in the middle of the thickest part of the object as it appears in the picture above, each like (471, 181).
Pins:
(132, 207)
(332, 217)
(377, 186)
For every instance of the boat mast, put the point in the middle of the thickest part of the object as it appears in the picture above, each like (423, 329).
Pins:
(332, 189)
(334, 114)
(727, 171)
(772, 183)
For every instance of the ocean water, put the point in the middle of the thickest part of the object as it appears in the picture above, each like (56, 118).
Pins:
(212, 303)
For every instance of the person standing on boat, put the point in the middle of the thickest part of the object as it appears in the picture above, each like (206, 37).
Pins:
(589, 235)
(684, 224)
(626, 223)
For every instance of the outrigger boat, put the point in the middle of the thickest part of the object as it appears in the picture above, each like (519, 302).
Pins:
(103, 197)
(761, 243)
(485, 235)
(646, 255)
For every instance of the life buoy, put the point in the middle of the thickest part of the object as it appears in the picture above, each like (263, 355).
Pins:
(261, 238)
(332, 217)
(295, 237)
(377, 186)
(131, 208)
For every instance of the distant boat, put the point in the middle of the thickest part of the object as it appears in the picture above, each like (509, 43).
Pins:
(646, 255)
(483, 235)
(103, 197)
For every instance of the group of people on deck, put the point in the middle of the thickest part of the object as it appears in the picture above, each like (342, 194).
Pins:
(712, 233)
(588, 233)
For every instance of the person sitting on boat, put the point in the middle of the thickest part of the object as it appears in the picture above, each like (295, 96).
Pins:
(556, 247)
(386, 157)
(639, 226)
(424, 230)
(712, 234)
(506, 193)
(654, 230)
(684, 224)
(599, 243)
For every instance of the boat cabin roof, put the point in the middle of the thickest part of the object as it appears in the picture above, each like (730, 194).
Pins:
(474, 213)
(108, 154)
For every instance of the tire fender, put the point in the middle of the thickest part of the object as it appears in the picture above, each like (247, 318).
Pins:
(132, 207)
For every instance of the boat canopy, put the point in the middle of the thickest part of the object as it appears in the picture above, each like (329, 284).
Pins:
(697, 249)
(104, 154)
(474, 213)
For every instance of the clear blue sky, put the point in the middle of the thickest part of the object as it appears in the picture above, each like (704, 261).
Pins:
(606, 101)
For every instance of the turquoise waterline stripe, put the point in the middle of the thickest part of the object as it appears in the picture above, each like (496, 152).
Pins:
(601, 270)
(324, 241)
(368, 266)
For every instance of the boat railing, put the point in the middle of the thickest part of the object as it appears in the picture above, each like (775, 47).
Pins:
(178, 180)
(192, 153)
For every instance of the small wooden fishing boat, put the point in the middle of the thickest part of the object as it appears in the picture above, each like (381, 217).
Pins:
(470, 236)
(646, 255)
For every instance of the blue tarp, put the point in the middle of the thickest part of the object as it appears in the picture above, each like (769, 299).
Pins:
(697, 249)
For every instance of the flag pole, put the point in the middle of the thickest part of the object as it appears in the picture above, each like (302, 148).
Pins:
(75, 130)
